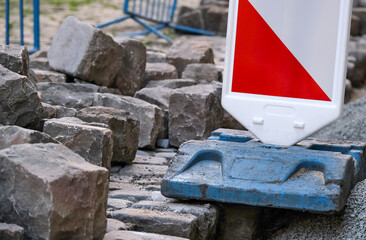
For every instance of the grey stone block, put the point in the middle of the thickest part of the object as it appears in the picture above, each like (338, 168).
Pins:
(83, 51)
(40, 63)
(238, 222)
(95, 144)
(207, 215)
(124, 128)
(202, 71)
(52, 192)
(149, 115)
(130, 235)
(154, 222)
(150, 160)
(49, 76)
(20, 104)
(159, 96)
(14, 135)
(133, 69)
(194, 112)
(15, 58)
(115, 225)
(159, 71)
(144, 170)
(183, 53)
(155, 56)
(172, 83)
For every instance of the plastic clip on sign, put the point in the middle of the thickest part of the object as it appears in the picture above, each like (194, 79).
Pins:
(286, 66)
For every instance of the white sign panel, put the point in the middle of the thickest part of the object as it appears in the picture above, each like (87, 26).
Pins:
(286, 66)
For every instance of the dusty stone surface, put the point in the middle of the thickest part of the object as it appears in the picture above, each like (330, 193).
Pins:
(154, 56)
(95, 144)
(19, 102)
(239, 222)
(349, 224)
(207, 215)
(133, 69)
(158, 95)
(72, 95)
(62, 112)
(159, 71)
(132, 235)
(40, 63)
(194, 112)
(14, 135)
(49, 76)
(15, 58)
(90, 55)
(52, 192)
(171, 83)
(11, 232)
(124, 128)
(183, 53)
(115, 225)
(149, 115)
(202, 71)
(68, 95)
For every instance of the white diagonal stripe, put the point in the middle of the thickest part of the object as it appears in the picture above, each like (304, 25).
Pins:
(309, 29)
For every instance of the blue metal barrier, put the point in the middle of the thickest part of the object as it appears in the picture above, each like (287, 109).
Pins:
(36, 27)
(160, 12)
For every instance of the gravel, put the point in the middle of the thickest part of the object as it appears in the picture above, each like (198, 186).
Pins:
(350, 224)
(351, 126)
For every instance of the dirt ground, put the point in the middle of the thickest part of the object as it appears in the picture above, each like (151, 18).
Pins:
(54, 11)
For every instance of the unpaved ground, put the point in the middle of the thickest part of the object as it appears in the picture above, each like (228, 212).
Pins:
(54, 11)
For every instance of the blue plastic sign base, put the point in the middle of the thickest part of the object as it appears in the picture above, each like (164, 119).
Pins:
(234, 167)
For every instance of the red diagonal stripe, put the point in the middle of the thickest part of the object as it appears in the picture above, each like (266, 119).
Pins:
(264, 65)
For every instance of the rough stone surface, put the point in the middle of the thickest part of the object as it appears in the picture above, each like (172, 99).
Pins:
(115, 225)
(171, 83)
(183, 53)
(62, 112)
(191, 18)
(217, 15)
(73, 95)
(154, 56)
(149, 115)
(238, 222)
(11, 232)
(350, 126)
(83, 51)
(19, 102)
(124, 128)
(15, 58)
(52, 192)
(131, 235)
(49, 76)
(202, 71)
(349, 224)
(159, 71)
(13, 135)
(95, 144)
(194, 112)
(207, 215)
(40, 63)
(158, 95)
(134, 64)
(167, 223)
(49, 111)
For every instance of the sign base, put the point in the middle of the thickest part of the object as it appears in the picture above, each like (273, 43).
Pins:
(234, 167)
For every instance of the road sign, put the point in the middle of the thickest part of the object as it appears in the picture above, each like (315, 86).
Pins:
(286, 65)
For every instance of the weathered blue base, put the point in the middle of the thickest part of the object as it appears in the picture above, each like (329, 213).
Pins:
(234, 167)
